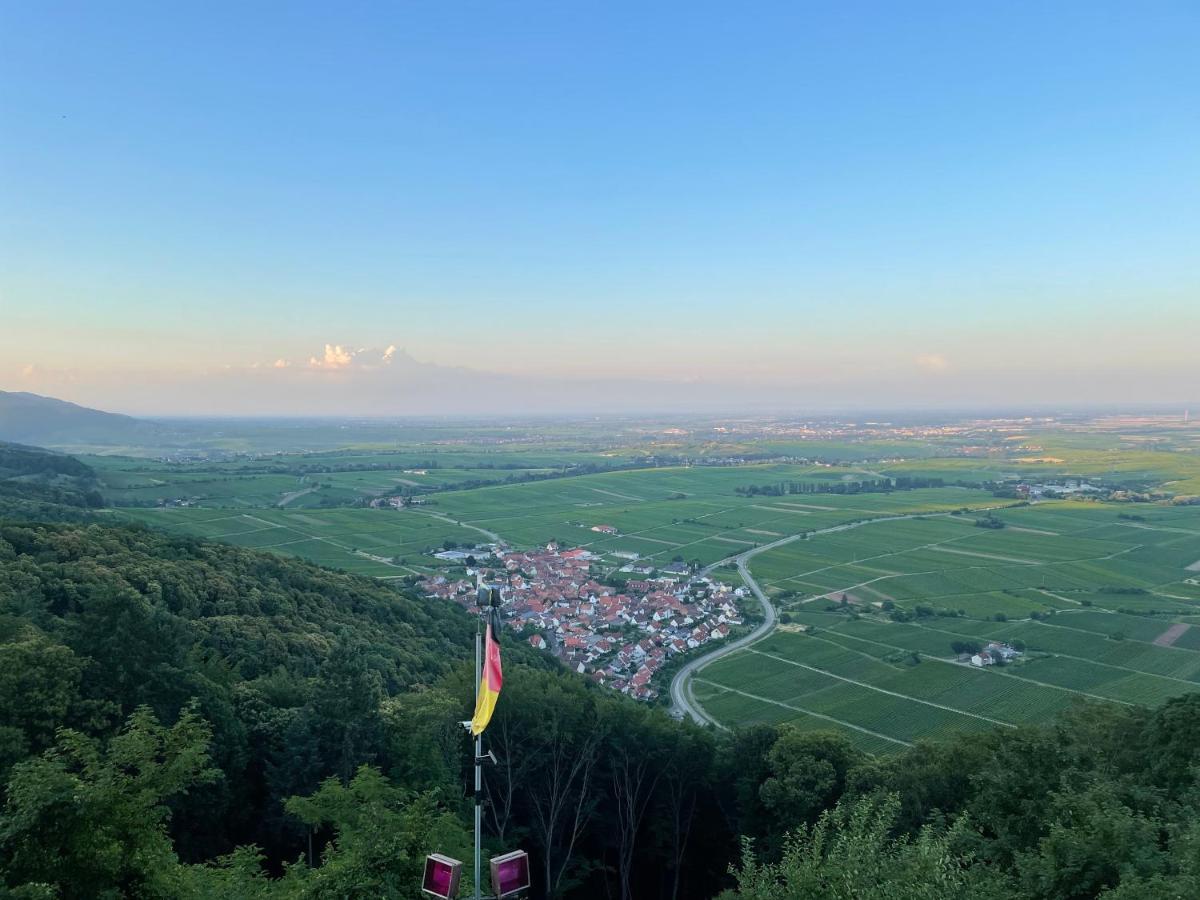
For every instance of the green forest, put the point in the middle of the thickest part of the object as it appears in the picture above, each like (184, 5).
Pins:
(185, 719)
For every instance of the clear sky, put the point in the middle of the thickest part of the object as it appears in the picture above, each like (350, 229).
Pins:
(797, 204)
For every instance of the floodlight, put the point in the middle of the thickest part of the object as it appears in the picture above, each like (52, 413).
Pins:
(510, 873)
(441, 876)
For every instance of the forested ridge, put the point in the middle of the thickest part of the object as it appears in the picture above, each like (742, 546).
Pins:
(181, 718)
(36, 484)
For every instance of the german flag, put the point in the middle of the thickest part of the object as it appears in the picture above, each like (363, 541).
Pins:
(489, 683)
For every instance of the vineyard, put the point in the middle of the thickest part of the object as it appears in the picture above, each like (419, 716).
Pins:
(1100, 604)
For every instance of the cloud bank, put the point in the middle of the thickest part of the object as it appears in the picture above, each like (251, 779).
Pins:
(344, 380)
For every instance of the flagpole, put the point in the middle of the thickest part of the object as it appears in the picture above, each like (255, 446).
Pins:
(478, 763)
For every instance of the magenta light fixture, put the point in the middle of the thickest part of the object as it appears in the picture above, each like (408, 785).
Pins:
(510, 873)
(441, 876)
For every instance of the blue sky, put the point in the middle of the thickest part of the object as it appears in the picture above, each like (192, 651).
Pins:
(874, 203)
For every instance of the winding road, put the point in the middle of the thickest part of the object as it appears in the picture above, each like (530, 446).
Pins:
(682, 701)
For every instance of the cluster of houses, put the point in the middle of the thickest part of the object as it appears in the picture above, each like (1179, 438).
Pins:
(1054, 489)
(398, 501)
(619, 637)
(994, 653)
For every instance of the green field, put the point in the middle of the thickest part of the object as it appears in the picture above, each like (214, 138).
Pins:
(693, 512)
(659, 513)
(365, 541)
(314, 479)
(1053, 555)
(1088, 593)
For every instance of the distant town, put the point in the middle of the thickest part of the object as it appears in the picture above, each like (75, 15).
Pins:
(620, 637)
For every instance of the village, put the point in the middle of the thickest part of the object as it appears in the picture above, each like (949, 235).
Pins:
(620, 637)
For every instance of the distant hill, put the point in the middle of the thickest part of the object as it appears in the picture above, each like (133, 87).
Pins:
(33, 419)
(42, 485)
(17, 460)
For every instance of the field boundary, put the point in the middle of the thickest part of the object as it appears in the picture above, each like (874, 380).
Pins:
(807, 712)
(871, 687)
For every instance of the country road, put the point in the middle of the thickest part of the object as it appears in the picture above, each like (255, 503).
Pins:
(295, 495)
(682, 701)
(491, 535)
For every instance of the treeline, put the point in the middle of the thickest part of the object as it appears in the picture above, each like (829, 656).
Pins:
(288, 663)
(17, 459)
(613, 799)
(1100, 803)
(47, 502)
(868, 486)
(37, 484)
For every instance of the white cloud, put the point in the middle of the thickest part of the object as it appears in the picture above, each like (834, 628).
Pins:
(336, 357)
(932, 362)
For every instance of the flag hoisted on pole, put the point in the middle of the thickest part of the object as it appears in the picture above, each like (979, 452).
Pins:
(488, 679)
(491, 678)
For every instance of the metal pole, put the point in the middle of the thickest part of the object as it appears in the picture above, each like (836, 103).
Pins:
(478, 764)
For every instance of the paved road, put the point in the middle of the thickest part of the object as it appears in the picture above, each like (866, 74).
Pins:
(682, 701)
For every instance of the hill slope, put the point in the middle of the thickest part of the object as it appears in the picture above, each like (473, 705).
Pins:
(43, 485)
(287, 661)
(33, 419)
